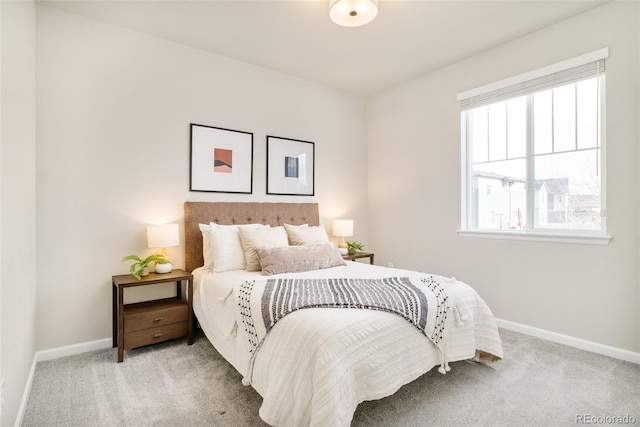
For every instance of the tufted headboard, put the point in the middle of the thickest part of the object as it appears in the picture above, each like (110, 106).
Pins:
(273, 214)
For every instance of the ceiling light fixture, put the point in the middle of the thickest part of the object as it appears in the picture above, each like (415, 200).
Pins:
(353, 13)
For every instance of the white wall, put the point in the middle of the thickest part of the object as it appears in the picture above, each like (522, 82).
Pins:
(638, 122)
(114, 108)
(1, 127)
(589, 292)
(17, 201)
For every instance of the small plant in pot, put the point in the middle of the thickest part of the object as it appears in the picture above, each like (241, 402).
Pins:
(353, 247)
(141, 266)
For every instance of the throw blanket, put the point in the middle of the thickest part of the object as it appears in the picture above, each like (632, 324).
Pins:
(421, 301)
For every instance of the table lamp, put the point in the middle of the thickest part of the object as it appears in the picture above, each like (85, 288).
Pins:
(342, 228)
(163, 236)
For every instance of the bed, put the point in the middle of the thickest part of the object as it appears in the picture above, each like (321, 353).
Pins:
(316, 365)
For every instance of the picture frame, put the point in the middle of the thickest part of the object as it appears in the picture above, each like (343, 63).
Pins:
(290, 166)
(221, 160)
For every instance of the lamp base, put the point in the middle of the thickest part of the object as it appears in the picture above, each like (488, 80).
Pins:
(344, 251)
(164, 268)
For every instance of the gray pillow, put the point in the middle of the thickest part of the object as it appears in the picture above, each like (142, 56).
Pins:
(289, 259)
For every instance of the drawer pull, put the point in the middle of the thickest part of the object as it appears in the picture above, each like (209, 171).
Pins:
(157, 335)
(157, 319)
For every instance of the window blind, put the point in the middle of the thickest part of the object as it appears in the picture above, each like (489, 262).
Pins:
(542, 79)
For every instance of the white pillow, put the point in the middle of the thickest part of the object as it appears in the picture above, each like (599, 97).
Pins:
(252, 238)
(221, 246)
(304, 235)
(207, 255)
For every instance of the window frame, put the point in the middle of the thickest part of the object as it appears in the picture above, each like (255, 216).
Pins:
(592, 237)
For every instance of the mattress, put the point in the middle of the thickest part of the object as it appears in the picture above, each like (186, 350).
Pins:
(316, 365)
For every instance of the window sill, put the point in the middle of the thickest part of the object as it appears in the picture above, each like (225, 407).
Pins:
(580, 239)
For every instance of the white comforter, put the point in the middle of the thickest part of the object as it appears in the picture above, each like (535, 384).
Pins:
(317, 365)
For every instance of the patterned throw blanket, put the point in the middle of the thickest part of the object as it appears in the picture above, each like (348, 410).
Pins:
(421, 301)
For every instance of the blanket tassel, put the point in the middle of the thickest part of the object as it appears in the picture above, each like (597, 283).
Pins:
(247, 379)
(223, 299)
(444, 365)
(234, 331)
(458, 316)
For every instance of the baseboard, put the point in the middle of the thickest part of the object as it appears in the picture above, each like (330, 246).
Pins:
(56, 353)
(70, 350)
(25, 394)
(591, 346)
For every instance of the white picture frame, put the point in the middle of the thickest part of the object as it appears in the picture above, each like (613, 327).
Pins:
(221, 160)
(290, 166)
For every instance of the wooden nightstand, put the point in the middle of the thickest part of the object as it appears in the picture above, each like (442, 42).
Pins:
(150, 322)
(359, 255)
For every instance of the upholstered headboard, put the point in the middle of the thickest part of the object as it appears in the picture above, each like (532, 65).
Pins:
(273, 214)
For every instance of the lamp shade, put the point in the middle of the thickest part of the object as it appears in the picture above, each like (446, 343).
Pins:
(353, 13)
(342, 227)
(163, 236)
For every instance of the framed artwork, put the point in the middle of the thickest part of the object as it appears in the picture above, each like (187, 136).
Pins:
(221, 160)
(290, 166)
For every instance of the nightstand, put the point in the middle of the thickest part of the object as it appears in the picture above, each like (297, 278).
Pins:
(359, 255)
(150, 322)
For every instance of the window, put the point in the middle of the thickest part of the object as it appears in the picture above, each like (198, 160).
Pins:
(533, 152)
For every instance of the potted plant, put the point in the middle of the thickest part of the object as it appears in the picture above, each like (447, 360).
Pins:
(354, 246)
(141, 266)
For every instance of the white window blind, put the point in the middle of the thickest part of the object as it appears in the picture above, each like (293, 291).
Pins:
(575, 69)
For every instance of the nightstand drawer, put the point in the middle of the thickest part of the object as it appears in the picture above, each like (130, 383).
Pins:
(153, 314)
(155, 335)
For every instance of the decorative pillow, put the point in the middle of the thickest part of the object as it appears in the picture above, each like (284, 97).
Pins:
(290, 259)
(252, 238)
(226, 246)
(221, 246)
(305, 235)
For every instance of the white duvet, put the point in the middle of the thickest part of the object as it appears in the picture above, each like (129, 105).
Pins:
(316, 365)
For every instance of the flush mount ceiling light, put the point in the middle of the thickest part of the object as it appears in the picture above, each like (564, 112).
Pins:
(353, 13)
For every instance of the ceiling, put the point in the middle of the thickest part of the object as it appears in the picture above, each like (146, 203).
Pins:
(407, 39)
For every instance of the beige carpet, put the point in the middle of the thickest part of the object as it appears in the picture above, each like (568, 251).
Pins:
(171, 384)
